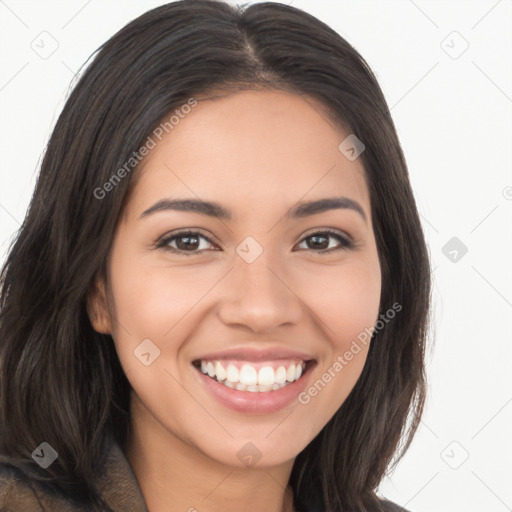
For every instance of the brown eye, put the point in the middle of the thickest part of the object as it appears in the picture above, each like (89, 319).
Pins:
(190, 242)
(320, 241)
(184, 242)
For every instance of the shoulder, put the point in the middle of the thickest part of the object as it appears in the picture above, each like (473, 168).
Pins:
(115, 485)
(20, 494)
(16, 494)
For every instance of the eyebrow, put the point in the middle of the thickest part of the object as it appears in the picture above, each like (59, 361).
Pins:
(217, 211)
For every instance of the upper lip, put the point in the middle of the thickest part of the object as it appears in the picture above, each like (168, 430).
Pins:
(254, 354)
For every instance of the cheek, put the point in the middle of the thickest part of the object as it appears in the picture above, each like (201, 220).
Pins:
(153, 303)
(358, 303)
(346, 299)
(347, 303)
(156, 302)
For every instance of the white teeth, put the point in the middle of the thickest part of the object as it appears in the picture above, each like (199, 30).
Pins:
(248, 375)
(249, 379)
(220, 372)
(280, 377)
(232, 373)
(254, 388)
(266, 376)
(290, 373)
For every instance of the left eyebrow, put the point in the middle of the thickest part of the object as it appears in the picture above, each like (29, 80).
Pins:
(217, 211)
(313, 207)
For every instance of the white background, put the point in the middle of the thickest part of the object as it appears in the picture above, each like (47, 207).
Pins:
(453, 117)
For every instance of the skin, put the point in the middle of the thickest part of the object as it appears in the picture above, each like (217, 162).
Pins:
(257, 153)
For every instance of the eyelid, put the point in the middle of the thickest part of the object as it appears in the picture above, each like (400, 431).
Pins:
(345, 241)
(331, 231)
(164, 239)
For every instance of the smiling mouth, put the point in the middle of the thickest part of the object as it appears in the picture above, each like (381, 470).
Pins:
(253, 377)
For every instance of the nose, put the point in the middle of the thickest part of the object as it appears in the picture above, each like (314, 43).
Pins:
(259, 296)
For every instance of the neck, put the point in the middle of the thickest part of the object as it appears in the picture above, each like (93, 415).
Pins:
(176, 476)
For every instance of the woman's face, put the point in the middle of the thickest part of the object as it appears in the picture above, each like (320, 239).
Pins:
(250, 287)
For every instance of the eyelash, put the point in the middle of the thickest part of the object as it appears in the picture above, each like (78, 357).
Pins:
(163, 243)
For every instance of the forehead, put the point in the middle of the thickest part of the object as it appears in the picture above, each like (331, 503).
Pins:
(251, 150)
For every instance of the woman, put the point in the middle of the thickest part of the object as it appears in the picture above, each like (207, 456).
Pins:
(163, 343)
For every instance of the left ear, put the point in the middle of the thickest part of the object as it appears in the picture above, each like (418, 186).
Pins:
(97, 308)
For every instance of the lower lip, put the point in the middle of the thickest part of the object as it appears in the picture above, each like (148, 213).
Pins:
(255, 402)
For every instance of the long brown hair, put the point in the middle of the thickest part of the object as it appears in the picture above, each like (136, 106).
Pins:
(61, 381)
